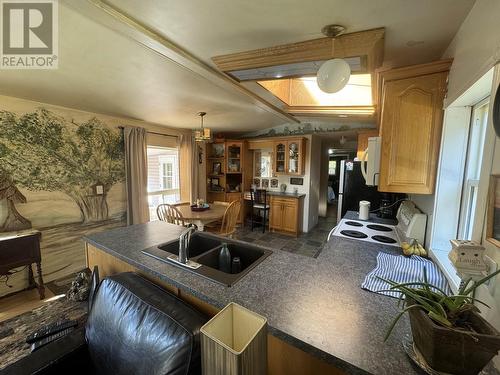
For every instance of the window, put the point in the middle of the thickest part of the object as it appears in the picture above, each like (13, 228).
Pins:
(167, 170)
(163, 177)
(477, 132)
(332, 167)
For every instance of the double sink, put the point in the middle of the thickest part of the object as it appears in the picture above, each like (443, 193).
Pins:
(204, 249)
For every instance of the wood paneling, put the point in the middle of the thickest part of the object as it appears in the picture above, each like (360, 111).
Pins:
(363, 141)
(367, 44)
(411, 124)
(282, 358)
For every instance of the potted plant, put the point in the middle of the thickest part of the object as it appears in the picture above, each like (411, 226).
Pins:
(447, 329)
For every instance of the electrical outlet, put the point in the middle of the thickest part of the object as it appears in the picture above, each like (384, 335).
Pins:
(492, 267)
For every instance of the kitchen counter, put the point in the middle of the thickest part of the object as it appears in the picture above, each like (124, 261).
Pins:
(316, 305)
(277, 194)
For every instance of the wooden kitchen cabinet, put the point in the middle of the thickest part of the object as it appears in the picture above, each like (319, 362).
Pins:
(286, 214)
(410, 126)
(289, 156)
(363, 141)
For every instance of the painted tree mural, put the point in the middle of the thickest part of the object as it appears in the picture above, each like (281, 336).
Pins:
(42, 151)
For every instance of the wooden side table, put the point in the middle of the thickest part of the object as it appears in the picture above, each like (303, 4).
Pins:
(19, 249)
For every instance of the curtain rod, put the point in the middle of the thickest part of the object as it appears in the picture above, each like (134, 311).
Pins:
(165, 135)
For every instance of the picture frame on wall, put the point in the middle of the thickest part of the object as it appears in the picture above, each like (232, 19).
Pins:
(493, 218)
(265, 183)
(256, 182)
(216, 168)
(274, 183)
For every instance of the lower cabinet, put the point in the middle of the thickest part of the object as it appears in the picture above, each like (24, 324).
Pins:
(285, 214)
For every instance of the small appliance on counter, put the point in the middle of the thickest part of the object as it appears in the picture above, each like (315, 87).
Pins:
(411, 225)
(364, 210)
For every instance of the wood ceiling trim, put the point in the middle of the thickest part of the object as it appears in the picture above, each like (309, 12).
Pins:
(369, 43)
(115, 19)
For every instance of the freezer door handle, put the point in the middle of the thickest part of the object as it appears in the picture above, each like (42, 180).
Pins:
(339, 207)
(341, 177)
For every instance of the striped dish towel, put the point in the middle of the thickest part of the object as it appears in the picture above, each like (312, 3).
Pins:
(401, 269)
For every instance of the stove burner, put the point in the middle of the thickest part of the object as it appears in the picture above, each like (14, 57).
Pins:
(353, 224)
(353, 233)
(384, 239)
(380, 228)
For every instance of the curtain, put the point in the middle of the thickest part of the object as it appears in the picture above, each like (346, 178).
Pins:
(188, 150)
(136, 174)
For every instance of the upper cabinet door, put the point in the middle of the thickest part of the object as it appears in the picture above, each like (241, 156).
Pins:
(410, 128)
(280, 158)
(295, 157)
(234, 157)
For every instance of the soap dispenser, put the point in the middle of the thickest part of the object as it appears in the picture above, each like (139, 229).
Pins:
(225, 259)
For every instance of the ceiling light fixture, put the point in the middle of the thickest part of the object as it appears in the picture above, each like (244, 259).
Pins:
(333, 74)
(202, 134)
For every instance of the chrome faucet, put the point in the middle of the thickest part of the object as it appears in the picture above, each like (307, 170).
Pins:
(184, 239)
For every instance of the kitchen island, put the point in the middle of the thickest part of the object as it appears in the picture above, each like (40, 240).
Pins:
(314, 306)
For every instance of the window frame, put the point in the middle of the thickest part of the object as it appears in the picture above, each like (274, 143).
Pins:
(164, 191)
(470, 187)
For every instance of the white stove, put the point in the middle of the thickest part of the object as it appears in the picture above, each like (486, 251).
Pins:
(368, 232)
(411, 225)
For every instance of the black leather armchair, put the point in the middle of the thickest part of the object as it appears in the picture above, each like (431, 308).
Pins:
(134, 327)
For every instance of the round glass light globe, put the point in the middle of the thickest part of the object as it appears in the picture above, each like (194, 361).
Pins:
(333, 75)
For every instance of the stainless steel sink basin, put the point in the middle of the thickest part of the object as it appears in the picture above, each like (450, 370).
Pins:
(198, 244)
(204, 249)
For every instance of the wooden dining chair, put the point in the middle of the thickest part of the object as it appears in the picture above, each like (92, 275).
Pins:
(228, 225)
(171, 214)
(215, 225)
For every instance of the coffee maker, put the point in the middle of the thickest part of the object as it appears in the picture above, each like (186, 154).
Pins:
(389, 204)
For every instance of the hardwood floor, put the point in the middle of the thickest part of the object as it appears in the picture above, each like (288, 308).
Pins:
(21, 302)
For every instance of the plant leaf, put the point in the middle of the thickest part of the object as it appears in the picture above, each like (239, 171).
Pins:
(396, 319)
(440, 319)
(480, 282)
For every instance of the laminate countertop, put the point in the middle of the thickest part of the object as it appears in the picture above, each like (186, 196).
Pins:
(315, 304)
(277, 194)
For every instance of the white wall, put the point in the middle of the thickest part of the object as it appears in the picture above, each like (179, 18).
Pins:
(475, 48)
(314, 186)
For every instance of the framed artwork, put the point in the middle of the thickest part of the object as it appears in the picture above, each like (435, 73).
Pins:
(493, 219)
(218, 150)
(265, 183)
(296, 181)
(216, 168)
(274, 183)
(256, 182)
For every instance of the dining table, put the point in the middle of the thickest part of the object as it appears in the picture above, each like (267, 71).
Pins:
(215, 212)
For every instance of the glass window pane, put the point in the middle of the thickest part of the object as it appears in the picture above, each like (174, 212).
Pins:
(163, 177)
(477, 133)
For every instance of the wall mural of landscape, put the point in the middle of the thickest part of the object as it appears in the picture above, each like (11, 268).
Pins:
(62, 176)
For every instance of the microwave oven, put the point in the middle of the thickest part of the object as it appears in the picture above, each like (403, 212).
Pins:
(370, 162)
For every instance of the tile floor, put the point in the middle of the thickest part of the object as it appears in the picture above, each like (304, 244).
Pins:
(308, 244)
